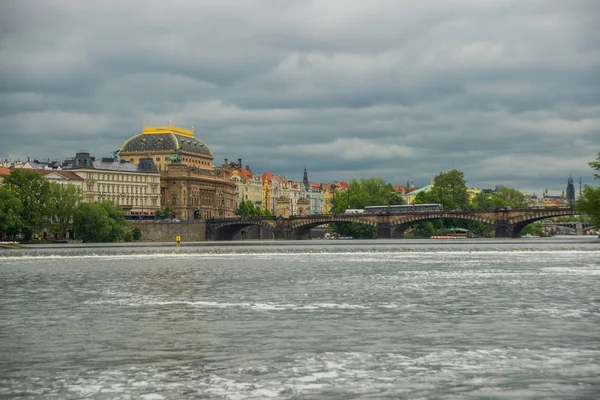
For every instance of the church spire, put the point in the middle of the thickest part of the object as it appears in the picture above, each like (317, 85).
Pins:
(305, 179)
(570, 191)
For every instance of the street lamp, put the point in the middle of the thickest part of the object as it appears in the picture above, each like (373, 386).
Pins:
(348, 205)
(333, 187)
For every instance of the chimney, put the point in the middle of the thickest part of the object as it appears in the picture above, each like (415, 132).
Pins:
(247, 168)
(239, 163)
(226, 163)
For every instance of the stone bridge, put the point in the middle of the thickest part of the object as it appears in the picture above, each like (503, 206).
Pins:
(507, 222)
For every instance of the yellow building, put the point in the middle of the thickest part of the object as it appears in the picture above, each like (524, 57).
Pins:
(167, 144)
(472, 192)
(189, 182)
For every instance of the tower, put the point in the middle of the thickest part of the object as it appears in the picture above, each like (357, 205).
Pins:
(305, 180)
(570, 192)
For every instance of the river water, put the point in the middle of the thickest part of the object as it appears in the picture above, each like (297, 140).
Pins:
(311, 320)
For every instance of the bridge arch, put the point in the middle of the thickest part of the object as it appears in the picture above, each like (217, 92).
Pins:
(521, 221)
(300, 228)
(229, 229)
(401, 224)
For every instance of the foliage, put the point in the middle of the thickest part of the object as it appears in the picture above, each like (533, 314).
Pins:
(248, 209)
(11, 209)
(166, 212)
(449, 189)
(136, 234)
(360, 194)
(128, 237)
(488, 201)
(534, 229)
(33, 192)
(501, 198)
(99, 222)
(596, 166)
(62, 203)
(423, 229)
(513, 197)
(589, 201)
(363, 193)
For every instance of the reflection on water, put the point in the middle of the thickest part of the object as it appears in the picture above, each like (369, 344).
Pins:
(312, 320)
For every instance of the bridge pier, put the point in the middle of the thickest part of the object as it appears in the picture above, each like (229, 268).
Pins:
(505, 230)
(384, 231)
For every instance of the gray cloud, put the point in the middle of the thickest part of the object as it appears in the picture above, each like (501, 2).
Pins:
(506, 91)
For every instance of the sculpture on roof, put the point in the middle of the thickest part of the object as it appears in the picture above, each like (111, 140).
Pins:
(176, 158)
(114, 155)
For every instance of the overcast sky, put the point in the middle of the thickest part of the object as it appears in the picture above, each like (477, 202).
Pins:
(506, 91)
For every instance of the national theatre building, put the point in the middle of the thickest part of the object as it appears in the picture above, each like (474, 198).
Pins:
(189, 182)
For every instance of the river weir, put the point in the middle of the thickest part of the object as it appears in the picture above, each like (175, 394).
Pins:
(308, 319)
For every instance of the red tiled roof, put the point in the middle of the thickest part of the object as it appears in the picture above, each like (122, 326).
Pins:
(245, 174)
(267, 176)
(4, 171)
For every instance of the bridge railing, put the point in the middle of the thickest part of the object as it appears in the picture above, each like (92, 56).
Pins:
(338, 215)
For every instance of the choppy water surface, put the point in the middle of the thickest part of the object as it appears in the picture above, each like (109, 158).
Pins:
(318, 321)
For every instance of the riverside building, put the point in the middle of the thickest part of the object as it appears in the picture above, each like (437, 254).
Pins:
(189, 182)
(133, 187)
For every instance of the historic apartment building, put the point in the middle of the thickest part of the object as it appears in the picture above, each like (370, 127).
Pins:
(133, 187)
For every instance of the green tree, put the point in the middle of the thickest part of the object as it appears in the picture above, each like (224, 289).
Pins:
(488, 201)
(99, 222)
(33, 192)
(596, 166)
(365, 192)
(360, 194)
(248, 209)
(62, 204)
(589, 202)
(166, 212)
(91, 223)
(450, 190)
(11, 210)
(534, 229)
(116, 219)
(513, 197)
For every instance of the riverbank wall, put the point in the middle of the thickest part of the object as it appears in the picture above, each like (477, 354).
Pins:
(195, 231)
(163, 231)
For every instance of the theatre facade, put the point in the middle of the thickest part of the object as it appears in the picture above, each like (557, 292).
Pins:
(190, 184)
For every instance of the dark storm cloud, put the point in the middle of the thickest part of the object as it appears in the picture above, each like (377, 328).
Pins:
(506, 91)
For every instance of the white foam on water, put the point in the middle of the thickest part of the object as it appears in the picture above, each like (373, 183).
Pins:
(127, 299)
(573, 271)
(152, 396)
(372, 255)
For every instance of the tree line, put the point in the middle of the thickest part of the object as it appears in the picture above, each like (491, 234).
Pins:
(449, 189)
(30, 204)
